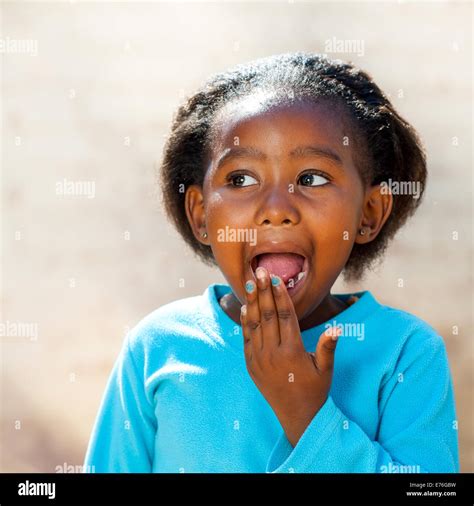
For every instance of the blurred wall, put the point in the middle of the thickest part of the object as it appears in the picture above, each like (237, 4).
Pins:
(91, 98)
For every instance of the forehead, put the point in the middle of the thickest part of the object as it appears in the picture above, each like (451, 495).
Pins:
(257, 120)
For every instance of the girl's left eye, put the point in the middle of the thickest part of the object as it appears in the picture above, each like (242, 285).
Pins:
(314, 179)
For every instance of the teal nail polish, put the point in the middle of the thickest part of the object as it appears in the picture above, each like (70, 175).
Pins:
(275, 281)
(249, 286)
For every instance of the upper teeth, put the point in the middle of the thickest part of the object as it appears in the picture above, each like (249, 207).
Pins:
(292, 281)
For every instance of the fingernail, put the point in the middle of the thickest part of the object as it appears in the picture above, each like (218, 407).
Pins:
(244, 309)
(249, 286)
(336, 333)
(260, 273)
(275, 281)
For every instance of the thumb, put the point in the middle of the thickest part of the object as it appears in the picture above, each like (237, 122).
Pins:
(326, 348)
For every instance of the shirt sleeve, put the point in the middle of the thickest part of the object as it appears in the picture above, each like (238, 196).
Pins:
(417, 430)
(123, 435)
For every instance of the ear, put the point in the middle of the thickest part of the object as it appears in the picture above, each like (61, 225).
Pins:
(376, 210)
(194, 207)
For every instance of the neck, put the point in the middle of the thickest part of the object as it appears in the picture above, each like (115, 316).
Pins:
(329, 308)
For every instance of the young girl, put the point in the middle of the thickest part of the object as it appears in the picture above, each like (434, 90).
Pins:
(284, 172)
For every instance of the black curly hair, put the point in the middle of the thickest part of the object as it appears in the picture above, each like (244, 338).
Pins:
(389, 147)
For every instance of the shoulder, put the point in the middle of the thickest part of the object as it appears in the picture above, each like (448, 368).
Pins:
(385, 325)
(165, 324)
(409, 338)
(408, 326)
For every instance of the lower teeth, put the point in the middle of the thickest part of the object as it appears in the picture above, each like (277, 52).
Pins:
(291, 282)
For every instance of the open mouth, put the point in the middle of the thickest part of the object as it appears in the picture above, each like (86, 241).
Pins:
(292, 268)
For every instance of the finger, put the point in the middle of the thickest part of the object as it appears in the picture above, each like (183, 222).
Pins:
(254, 327)
(268, 315)
(326, 348)
(247, 342)
(290, 334)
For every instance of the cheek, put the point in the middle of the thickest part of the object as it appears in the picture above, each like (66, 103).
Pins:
(334, 222)
(334, 219)
(226, 222)
(225, 212)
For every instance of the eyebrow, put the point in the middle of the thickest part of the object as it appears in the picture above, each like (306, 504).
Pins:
(256, 154)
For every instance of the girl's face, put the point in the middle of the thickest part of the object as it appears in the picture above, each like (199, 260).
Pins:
(282, 179)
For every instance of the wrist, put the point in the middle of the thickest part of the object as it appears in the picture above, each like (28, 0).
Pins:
(295, 422)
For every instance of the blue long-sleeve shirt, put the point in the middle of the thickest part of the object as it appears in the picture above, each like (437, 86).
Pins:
(180, 399)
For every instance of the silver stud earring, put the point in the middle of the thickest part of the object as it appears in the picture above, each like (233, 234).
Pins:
(362, 231)
(204, 235)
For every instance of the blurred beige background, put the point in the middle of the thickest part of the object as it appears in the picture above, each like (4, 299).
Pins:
(92, 103)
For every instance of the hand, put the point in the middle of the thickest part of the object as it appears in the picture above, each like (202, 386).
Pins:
(295, 382)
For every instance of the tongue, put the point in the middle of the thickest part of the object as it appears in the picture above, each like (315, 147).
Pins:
(284, 265)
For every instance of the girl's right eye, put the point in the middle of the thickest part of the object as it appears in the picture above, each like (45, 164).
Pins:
(240, 178)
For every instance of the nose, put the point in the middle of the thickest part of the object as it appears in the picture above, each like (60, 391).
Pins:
(277, 207)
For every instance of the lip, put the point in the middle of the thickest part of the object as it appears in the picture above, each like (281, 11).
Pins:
(282, 247)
